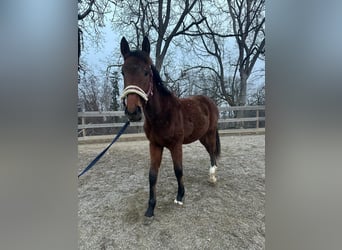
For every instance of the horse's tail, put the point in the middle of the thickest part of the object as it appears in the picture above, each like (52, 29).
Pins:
(218, 145)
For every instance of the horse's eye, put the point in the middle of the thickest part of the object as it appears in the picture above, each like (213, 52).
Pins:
(146, 73)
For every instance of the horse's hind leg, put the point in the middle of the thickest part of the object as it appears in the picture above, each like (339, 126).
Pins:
(177, 154)
(211, 142)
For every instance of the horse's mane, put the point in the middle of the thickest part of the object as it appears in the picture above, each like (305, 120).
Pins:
(159, 82)
(161, 87)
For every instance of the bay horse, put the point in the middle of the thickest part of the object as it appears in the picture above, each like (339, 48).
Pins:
(169, 121)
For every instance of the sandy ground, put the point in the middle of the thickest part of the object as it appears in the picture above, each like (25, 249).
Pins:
(113, 198)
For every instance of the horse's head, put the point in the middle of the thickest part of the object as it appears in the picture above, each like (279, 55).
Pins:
(138, 78)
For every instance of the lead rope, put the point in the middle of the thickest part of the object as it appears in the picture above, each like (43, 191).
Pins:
(105, 150)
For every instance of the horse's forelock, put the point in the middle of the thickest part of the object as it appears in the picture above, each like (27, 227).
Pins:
(139, 54)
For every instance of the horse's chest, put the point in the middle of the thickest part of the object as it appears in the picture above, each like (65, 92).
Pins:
(164, 132)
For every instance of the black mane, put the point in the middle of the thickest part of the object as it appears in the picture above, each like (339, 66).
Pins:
(159, 82)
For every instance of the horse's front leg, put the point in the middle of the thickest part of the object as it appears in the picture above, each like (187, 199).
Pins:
(156, 156)
(177, 155)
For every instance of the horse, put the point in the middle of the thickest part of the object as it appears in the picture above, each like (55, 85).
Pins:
(169, 121)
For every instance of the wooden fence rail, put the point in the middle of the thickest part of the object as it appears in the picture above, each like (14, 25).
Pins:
(226, 117)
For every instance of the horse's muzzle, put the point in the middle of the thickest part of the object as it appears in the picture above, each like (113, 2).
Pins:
(134, 116)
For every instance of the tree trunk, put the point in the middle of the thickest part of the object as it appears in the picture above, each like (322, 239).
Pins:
(242, 100)
(243, 89)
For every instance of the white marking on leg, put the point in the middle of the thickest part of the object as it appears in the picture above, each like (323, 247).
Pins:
(212, 171)
(178, 202)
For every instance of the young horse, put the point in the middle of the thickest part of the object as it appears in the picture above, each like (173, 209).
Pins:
(169, 121)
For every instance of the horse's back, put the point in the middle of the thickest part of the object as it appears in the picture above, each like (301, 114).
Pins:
(200, 104)
(200, 115)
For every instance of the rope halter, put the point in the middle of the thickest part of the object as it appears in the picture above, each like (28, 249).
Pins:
(134, 89)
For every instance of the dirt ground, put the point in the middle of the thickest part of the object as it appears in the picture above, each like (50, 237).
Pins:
(113, 198)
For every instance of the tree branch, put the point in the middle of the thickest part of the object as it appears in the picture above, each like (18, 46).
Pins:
(87, 11)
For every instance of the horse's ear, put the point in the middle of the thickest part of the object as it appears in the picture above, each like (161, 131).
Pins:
(146, 45)
(124, 47)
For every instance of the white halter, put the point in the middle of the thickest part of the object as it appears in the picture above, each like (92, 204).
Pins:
(133, 89)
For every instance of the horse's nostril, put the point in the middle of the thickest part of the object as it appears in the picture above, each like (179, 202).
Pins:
(135, 115)
(128, 113)
(135, 112)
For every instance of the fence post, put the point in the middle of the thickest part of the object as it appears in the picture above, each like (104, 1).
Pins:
(257, 118)
(83, 130)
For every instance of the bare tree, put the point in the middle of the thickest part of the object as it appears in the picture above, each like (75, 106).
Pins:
(114, 81)
(200, 22)
(258, 97)
(210, 43)
(105, 97)
(95, 92)
(246, 20)
(215, 50)
(248, 23)
(162, 20)
(89, 93)
(91, 17)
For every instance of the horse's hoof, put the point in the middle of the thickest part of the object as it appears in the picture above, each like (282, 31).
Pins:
(212, 179)
(148, 220)
(178, 202)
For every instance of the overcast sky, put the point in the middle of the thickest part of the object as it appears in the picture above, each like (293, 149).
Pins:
(98, 57)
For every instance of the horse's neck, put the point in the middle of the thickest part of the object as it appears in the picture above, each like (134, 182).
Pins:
(158, 105)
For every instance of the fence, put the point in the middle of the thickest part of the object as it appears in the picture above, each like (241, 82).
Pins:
(108, 122)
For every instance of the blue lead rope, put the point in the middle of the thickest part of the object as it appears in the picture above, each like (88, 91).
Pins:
(105, 150)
